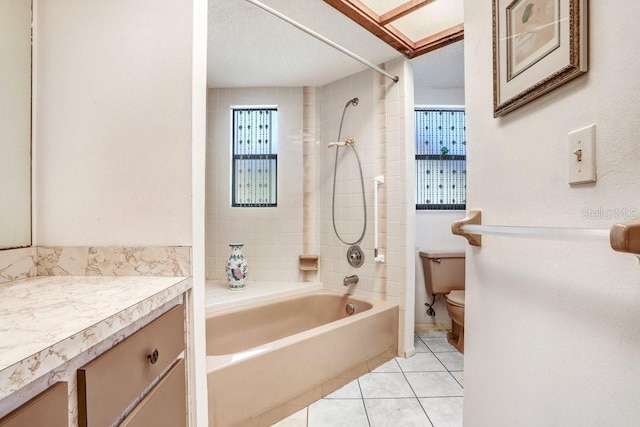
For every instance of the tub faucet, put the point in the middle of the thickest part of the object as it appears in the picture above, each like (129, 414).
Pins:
(350, 280)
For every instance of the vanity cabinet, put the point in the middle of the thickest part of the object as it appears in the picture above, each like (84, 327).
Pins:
(111, 383)
(165, 405)
(48, 409)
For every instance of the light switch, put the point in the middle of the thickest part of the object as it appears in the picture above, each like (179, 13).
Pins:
(582, 155)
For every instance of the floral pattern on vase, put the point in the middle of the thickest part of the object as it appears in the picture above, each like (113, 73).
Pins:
(236, 267)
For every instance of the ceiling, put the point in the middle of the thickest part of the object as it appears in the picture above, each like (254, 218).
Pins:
(413, 27)
(251, 48)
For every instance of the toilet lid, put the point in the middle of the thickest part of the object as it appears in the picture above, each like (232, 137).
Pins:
(456, 298)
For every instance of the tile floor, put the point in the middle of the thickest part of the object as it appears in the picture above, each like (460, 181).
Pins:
(423, 390)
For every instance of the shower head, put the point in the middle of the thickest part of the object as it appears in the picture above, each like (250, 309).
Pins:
(353, 102)
(349, 141)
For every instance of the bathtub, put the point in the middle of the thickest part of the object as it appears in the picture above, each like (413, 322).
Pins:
(267, 360)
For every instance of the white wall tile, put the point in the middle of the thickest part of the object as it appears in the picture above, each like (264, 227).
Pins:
(268, 233)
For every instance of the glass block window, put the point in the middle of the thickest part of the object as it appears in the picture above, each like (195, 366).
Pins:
(255, 158)
(441, 159)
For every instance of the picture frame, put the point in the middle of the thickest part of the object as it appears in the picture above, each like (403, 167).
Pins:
(538, 45)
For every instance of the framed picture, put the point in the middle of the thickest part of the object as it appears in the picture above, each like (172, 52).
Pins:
(538, 45)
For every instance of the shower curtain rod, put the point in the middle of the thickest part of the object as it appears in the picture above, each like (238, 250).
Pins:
(322, 39)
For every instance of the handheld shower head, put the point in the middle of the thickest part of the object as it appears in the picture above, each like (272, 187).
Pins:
(353, 102)
(349, 141)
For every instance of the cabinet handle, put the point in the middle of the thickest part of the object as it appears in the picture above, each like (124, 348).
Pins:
(153, 357)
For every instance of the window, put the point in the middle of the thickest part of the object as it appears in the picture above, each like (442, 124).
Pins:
(441, 158)
(254, 157)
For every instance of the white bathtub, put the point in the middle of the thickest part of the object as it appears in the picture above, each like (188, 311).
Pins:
(268, 360)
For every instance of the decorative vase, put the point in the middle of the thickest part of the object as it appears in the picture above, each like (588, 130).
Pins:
(236, 268)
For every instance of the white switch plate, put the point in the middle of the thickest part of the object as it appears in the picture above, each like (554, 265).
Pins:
(582, 155)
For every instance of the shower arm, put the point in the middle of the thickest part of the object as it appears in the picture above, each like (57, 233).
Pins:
(323, 39)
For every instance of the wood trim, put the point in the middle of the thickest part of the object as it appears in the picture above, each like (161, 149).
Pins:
(402, 10)
(404, 39)
(372, 22)
(438, 40)
(359, 6)
(366, 18)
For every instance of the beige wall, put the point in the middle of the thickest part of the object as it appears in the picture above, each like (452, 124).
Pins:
(551, 326)
(15, 123)
(272, 237)
(433, 228)
(113, 123)
(115, 86)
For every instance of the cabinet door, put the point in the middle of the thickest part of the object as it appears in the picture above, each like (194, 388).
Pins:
(108, 384)
(48, 409)
(165, 405)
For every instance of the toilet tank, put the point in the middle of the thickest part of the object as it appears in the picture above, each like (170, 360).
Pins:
(443, 271)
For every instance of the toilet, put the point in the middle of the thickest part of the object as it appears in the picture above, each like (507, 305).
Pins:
(444, 275)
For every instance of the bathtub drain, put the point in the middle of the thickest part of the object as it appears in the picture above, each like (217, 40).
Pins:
(351, 308)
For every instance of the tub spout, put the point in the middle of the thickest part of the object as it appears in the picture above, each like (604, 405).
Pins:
(350, 280)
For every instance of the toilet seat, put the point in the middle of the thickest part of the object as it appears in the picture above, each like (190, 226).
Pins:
(456, 298)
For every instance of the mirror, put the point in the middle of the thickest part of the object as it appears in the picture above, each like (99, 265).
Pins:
(15, 123)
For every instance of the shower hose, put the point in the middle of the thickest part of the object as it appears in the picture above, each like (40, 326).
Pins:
(353, 102)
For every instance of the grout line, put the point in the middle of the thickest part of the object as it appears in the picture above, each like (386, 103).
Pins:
(363, 405)
(425, 412)
(415, 396)
(456, 380)
(414, 392)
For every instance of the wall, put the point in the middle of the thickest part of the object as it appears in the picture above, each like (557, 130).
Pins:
(365, 123)
(381, 126)
(272, 237)
(114, 94)
(15, 124)
(433, 234)
(113, 123)
(433, 228)
(434, 95)
(550, 325)
(302, 222)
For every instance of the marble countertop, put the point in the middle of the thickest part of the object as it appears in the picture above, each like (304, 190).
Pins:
(47, 321)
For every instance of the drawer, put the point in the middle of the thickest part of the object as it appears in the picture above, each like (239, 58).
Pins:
(48, 409)
(165, 405)
(111, 382)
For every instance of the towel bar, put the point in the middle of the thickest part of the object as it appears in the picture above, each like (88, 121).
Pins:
(623, 237)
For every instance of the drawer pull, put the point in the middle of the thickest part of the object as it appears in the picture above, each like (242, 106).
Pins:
(153, 357)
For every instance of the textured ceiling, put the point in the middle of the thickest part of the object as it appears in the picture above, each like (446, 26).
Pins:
(251, 48)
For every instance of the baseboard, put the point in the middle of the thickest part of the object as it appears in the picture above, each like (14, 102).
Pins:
(421, 328)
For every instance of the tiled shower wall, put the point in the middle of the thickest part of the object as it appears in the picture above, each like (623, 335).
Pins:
(381, 125)
(272, 237)
(363, 122)
(302, 223)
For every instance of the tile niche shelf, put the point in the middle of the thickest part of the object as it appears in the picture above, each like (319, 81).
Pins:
(308, 263)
